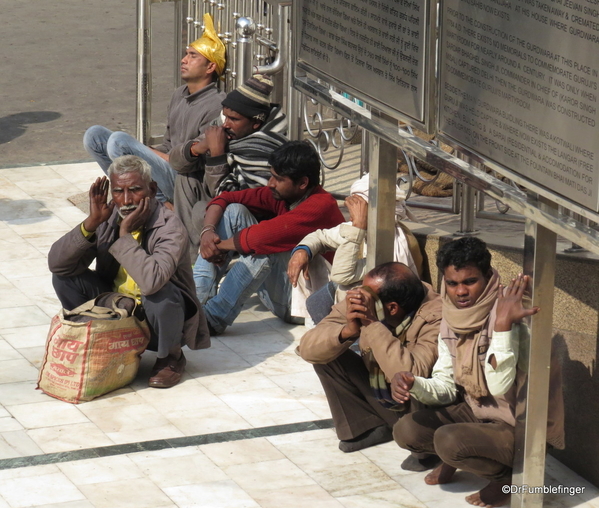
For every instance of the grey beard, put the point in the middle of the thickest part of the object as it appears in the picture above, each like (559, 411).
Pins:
(126, 208)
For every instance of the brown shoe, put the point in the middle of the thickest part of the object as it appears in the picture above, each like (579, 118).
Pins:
(167, 372)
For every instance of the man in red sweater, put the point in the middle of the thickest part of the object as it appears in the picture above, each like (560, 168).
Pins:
(263, 225)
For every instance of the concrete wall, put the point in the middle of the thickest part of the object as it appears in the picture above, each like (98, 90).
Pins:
(576, 326)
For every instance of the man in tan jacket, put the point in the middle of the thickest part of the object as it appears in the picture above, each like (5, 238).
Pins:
(141, 250)
(395, 319)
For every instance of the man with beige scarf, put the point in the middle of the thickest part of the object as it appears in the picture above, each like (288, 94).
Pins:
(479, 346)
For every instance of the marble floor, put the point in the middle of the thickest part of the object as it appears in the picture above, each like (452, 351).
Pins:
(247, 427)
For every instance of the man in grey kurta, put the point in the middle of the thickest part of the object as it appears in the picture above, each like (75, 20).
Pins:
(141, 250)
(193, 106)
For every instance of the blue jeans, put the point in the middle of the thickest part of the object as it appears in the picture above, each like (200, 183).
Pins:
(105, 146)
(266, 275)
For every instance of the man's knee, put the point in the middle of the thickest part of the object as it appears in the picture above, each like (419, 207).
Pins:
(448, 442)
(405, 432)
(95, 137)
(236, 210)
(119, 143)
(162, 300)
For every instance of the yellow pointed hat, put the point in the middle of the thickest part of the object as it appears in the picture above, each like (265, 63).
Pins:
(210, 45)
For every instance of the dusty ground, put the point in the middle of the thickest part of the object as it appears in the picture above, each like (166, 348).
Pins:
(69, 64)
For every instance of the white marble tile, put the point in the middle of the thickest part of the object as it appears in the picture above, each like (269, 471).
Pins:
(39, 490)
(20, 250)
(216, 359)
(176, 467)
(48, 301)
(9, 192)
(318, 405)
(62, 438)
(30, 226)
(46, 188)
(298, 437)
(14, 371)
(47, 414)
(36, 287)
(222, 494)
(300, 385)
(8, 423)
(25, 268)
(131, 492)
(31, 174)
(26, 336)
(286, 362)
(27, 472)
(18, 317)
(125, 396)
(124, 418)
(3, 503)
(43, 239)
(315, 455)
(7, 352)
(233, 382)
(463, 484)
(388, 499)
(313, 496)
(150, 433)
(255, 342)
(353, 479)
(280, 417)
(70, 504)
(199, 420)
(34, 355)
(186, 395)
(15, 393)
(14, 297)
(69, 214)
(241, 452)
(268, 476)
(388, 457)
(259, 402)
(101, 470)
(80, 174)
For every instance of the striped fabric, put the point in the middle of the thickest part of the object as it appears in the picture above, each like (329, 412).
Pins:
(248, 157)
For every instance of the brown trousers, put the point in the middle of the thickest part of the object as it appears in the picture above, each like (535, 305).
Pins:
(353, 407)
(460, 439)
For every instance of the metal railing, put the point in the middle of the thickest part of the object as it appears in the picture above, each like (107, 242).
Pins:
(247, 28)
(256, 34)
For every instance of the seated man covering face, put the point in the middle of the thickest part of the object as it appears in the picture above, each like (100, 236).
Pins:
(395, 319)
(141, 250)
(348, 240)
(263, 225)
(478, 357)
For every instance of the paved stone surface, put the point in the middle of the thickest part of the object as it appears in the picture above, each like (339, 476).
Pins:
(68, 64)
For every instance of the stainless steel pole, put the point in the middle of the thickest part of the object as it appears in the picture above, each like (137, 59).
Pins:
(381, 201)
(531, 414)
(243, 66)
(144, 81)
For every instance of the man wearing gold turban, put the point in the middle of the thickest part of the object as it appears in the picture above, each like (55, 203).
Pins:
(193, 106)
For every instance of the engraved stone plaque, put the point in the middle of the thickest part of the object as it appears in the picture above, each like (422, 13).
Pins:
(373, 47)
(519, 85)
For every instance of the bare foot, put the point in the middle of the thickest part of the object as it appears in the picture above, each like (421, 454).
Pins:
(440, 475)
(490, 496)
